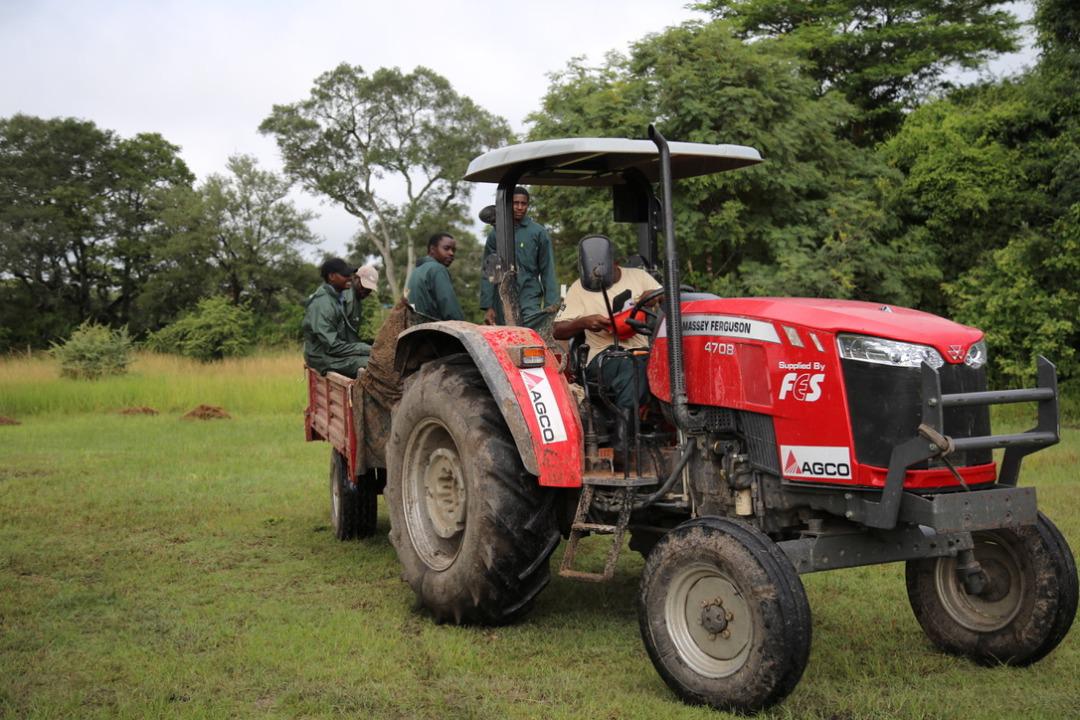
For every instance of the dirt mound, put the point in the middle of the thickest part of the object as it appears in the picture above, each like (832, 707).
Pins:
(8, 421)
(207, 412)
(138, 410)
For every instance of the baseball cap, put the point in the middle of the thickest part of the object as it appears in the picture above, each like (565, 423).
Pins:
(369, 277)
(336, 265)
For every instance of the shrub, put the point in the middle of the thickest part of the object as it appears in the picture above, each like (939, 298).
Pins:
(93, 351)
(281, 329)
(215, 329)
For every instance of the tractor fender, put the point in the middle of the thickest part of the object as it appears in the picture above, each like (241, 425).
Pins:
(535, 402)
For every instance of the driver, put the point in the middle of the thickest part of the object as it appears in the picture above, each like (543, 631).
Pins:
(584, 310)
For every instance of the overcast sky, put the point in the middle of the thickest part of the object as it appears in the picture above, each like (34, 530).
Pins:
(205, 73)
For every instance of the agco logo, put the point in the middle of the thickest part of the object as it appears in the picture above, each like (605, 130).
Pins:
(802, 386)
(544, 406)
(816, 462)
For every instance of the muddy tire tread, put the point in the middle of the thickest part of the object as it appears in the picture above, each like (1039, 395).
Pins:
(776, 667)
(510, 533)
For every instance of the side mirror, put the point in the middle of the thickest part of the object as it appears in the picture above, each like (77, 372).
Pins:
(596, 263)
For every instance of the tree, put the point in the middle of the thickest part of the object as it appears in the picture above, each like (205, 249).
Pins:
(360, 139)
(804, 222)
(51, 193)
(237, 235)
(255, 232)
(78, 208)
(885, 57)
(144, 172)
(989, 190)
(1026, 295)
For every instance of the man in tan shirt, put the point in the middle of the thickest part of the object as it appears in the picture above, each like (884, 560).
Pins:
(585, 311)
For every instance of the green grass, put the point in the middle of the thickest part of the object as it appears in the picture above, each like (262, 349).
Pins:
(152, 567)
(268, 383)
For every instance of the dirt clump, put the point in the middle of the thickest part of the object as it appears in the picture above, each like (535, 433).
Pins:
(138, 410)
(8, 421)
(207, 412)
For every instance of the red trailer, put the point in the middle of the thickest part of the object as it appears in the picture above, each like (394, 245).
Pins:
(341, 413)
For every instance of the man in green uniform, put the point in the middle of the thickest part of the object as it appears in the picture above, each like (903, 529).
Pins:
(330, 341)
(429, 290)
(537, 286)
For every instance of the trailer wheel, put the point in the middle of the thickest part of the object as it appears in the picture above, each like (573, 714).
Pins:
(353, 508)
(1024, 612)
(472, 529)
(724, 616)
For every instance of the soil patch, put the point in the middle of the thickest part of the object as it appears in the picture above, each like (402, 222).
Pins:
(207, 412)
(138, 410)
(8, 421)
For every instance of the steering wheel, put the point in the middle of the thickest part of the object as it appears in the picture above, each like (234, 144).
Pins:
(645, 327)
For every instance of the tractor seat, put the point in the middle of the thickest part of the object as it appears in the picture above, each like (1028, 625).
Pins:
(577, 359)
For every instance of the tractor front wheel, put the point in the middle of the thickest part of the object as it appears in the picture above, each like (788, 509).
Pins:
(472, 529)
(724, 616)
(1024, 609)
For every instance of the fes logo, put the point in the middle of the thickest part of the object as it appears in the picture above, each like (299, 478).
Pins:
(805, 387)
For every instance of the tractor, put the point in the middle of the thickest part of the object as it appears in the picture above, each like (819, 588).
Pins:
(778, 436)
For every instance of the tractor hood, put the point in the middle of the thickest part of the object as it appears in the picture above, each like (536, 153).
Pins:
(848, 316)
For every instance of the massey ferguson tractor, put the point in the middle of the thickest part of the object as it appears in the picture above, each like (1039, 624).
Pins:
(779, 436)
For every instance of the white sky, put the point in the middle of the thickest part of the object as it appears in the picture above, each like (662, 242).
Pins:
(204, 73)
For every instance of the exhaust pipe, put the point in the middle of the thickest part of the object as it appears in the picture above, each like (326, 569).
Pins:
(679, 404)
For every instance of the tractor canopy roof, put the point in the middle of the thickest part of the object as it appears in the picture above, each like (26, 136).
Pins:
(595, 162)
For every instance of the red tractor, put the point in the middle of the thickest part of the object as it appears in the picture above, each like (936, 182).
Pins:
(779, 436)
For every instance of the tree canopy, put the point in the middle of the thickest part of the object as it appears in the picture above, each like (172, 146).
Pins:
(366, 140)
(803, 222)
(885, 57)
(79, 213)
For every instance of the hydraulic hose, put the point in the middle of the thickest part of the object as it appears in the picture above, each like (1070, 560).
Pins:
(675, 473)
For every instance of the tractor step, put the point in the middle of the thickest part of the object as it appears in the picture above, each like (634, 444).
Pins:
(597, 528)
(617, 479)
(579, 528)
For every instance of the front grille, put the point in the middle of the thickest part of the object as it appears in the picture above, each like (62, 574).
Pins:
(885, 404)
(760, 437)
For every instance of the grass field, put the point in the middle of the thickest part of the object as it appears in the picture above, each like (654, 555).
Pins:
(154, 567)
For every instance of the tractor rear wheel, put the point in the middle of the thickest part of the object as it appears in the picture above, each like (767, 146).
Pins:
(1025, 609)
(472, 529)
(724, 616)
(353, 508)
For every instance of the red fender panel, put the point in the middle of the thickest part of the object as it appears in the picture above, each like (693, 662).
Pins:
(535, 402)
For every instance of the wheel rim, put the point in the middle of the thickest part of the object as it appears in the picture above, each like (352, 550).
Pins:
(994, 608)
(335, 494)
(433, 493)
(709, 620)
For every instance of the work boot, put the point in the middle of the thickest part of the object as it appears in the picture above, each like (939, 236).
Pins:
(623, 436)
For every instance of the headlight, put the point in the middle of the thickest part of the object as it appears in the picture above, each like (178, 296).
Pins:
(976, 355)
(887, 352)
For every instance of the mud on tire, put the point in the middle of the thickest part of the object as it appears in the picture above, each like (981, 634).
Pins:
(1023, 614)
(724, 616)
(472, 529)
